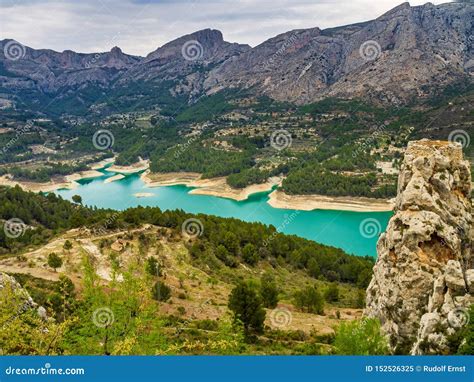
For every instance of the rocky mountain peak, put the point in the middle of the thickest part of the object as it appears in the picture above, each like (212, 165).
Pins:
(424, 278)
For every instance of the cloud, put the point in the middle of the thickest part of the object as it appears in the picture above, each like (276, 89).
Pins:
(140, 26)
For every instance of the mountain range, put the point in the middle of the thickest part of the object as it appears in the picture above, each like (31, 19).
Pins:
(403, 55)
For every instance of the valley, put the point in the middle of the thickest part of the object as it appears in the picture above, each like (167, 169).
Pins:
(311, 195)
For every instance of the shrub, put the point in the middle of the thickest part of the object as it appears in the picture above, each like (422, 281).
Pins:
(310, 300)
(332, 293)
(268, 291)
(247, 308)
(160, 291)
(360, 337)
(54, 261)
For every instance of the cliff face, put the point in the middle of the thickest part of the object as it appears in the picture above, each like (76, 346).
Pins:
(407, 52)
(424, 278)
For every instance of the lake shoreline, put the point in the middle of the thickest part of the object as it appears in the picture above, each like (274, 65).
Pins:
(217, 187)
(277, 199)
(70, 182)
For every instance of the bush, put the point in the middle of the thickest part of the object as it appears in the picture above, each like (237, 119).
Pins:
(332, 293)
(160, 291)
(268, 291)
(310, 300)
(152, 267)
(54, 261)
(247, 308)
(360, 337)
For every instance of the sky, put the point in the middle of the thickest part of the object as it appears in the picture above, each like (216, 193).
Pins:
(140, 26)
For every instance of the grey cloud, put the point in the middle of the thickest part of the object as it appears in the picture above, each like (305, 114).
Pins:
(140, 26)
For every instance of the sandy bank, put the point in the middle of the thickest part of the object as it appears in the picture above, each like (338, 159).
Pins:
(89, 174)
(132, 169)
(143, 194)
(213, 187)
(114, 178)
(278, 199)
(37, 187)
(102, 163)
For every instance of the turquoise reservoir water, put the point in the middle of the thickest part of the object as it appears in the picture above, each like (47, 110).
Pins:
(355, 232)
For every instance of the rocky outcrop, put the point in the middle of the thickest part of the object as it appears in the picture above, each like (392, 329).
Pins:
(423, 278)
(8, 285)
(393, 58)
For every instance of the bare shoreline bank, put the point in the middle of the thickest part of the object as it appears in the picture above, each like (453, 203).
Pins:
(277, 199)
(217, 187)
(213, 187)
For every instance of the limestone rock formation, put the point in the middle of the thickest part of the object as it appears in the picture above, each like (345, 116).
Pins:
(8, 284)
(423, 278)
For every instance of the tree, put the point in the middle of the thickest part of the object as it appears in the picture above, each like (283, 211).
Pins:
(360, 300)
(332, 293)
(77, 199)
(152, 267)
(310, 300)
(63, 299)
(67, 245)
(247, 308)
(360, 337)
(313, 268)
(160, 291)
(268, 291)
(249, 254)
(54, 261)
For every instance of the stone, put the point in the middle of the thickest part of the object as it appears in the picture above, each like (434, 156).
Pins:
(424, 270)
(454, 277)
(470, 280)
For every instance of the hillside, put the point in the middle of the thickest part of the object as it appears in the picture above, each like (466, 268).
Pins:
(112, 262)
